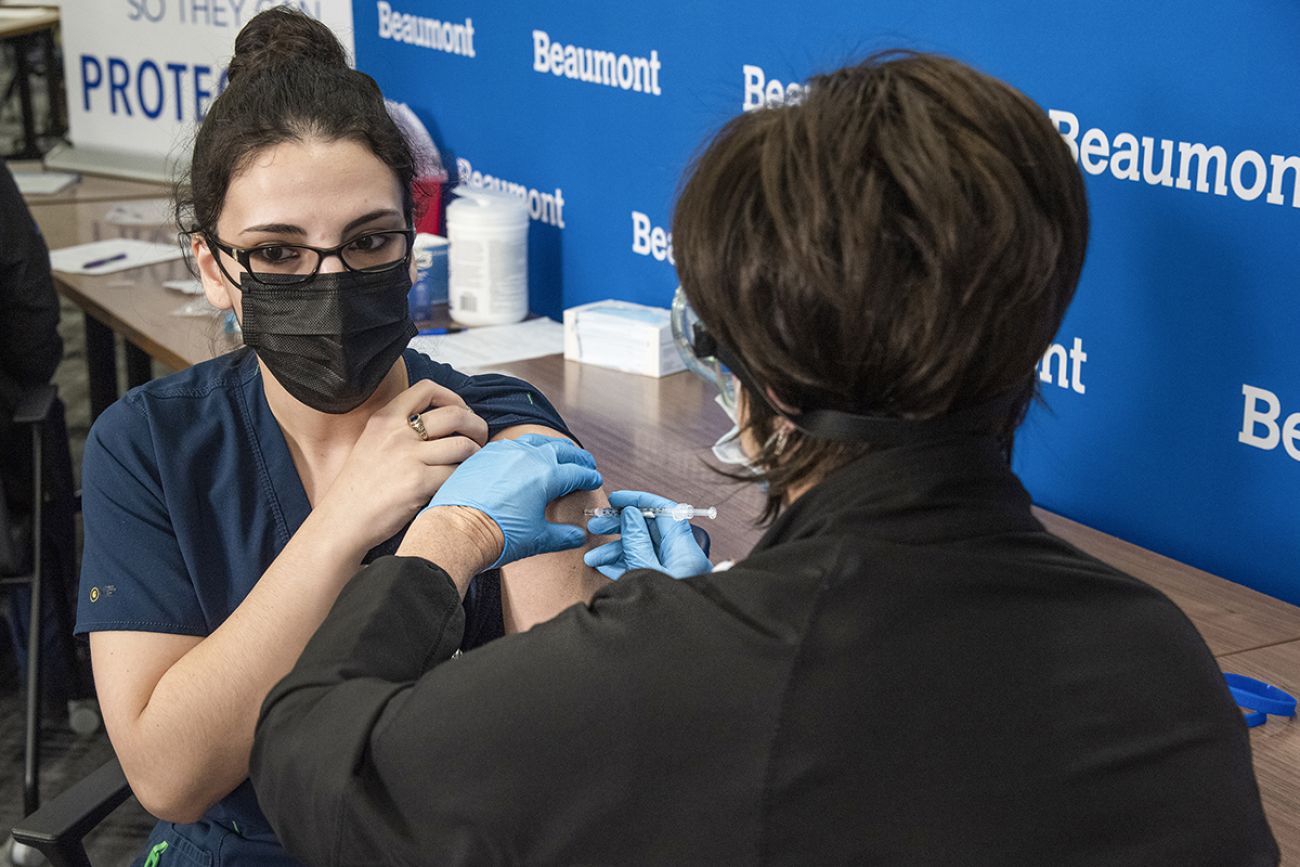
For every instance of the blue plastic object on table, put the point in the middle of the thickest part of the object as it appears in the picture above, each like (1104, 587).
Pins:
(1261, 699)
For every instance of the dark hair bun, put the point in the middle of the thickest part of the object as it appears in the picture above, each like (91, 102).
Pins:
(279, 36)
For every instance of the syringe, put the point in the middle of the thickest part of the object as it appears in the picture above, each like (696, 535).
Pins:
(679, 512)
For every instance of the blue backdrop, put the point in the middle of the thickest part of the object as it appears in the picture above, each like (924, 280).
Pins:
(1172, 412)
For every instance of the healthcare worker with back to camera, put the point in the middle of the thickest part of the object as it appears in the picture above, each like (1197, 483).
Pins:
(907, 669)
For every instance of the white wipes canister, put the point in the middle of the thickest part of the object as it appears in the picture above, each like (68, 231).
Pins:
(488, 262)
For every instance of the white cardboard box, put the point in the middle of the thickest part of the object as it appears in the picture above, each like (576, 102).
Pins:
(621, 335)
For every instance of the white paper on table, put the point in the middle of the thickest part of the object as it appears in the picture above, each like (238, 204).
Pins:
(494, 344)
(135, 254)
(185, 287)
(44, 183)
(141, 212)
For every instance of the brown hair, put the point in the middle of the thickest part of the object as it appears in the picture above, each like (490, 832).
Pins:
(289, 80)
(904, 243)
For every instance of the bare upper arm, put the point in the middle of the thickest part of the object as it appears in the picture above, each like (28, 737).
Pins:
(518, 430)
(536, 589)
(566, 510)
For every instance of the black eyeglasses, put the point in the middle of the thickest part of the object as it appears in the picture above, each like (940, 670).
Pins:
(293, 264)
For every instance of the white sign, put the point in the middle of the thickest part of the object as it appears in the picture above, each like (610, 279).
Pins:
(140, 73)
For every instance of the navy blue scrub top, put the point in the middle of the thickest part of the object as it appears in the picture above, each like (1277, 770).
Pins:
(189, 492)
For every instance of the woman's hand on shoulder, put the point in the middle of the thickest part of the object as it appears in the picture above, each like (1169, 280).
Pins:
(391, 472)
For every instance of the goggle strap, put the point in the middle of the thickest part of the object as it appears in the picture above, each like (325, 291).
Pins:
(983, 418)
(703, 343)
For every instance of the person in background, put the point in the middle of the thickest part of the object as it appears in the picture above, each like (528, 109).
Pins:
(225, 506)
(30, 345)
(30, 351)
(907, 668)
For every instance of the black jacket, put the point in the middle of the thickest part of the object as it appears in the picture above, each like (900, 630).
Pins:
(30, 345)
(906, 670)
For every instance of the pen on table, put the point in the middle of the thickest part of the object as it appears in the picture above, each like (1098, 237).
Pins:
(425, 332)
(99, 263)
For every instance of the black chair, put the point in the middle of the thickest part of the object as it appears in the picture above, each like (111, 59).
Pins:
(57, 829)
(27, 539)
(21, 563)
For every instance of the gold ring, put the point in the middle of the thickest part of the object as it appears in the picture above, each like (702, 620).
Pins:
(417, 425)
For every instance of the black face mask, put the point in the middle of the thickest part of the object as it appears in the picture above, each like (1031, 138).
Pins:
(332, 340)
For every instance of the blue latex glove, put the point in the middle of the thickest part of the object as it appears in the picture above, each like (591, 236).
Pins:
(661, 544)
(513, 481)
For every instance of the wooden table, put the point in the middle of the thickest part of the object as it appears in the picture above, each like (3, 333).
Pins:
(132, 304)
(654, 434)
(1276, 745)
(90, 188)
(22, 25)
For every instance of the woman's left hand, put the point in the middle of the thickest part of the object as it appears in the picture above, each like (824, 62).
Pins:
(391, 473)
(512, 482)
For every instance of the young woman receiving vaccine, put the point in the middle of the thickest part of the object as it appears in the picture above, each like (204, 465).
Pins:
(225, 506)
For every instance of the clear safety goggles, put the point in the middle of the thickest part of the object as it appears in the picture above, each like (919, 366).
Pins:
(700, 350)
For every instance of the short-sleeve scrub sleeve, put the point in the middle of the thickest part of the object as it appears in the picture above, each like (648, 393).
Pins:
(501, 401)
(133, 575)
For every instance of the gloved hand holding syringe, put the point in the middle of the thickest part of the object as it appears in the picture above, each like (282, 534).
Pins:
(678, 512)
(654, 533)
